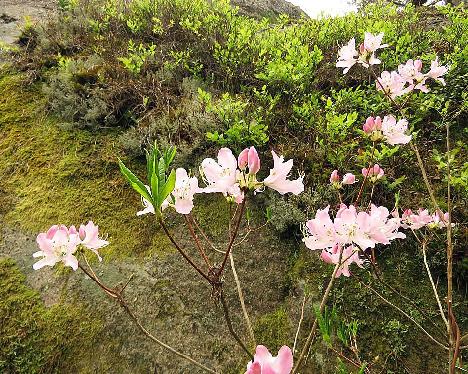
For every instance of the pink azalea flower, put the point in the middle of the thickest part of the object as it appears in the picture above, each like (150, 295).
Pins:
(347, 56)
(350, 255)
(373, 42)
(373, 173)
(220, 175)
(394, 132)
(334, 177)
(321, 231)
(265, 363)
(89, 236)
(415, 221)
(438, 222)
(437, 71)
(391, 83)
(254, 161)
(243, 159)
(349, 178)
(185, 188)
(411, 73)
(58, 244)
(277, 179)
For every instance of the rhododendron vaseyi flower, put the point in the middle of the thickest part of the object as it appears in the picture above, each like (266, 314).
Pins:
(185, 188)
(350, 254)
(265, 363)
(277, 179)
(349, 178)
(58, 244)
(415, 221)
(437, 71)
(391, 83)
(373, 42)
(350, 227)
(372, 125)
(347, 56)
(411, 73)
(373, 173)
(394, 132)
(222, 175)
(89, 237)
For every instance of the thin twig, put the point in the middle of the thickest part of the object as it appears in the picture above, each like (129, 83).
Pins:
(429, 274)
(197, 241)
(311, 335)
(242, 301)
(231, 329)
(402, 312)
(174, 243)
(202, 232)
(299, 325)
(118, 296)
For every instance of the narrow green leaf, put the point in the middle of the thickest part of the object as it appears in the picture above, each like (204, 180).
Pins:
(168, 187)
(136, 184)
(155, 191)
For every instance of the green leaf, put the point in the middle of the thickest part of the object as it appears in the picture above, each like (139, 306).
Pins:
(155, 192)
(136, 184)
(167, 188)
(169, 155)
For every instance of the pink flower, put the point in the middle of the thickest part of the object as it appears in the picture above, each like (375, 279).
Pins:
(373, 42)
(350, 255)
(347, 56)
(394, 132)
(440, 222)
(58, 244)
(221, 175)
(437, 71)
(265, 363)
(321, 231)
(148, 207)
(243, 159)
(277, 179)
(391, 83)
(415, 221)
(185, 188)
(374, 173)
(372, 124)
(349, 178)
(89, 236)
(334, 177)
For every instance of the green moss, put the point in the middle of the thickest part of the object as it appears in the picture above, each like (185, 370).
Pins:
(273, 330)
(34, 338)
(51, 176)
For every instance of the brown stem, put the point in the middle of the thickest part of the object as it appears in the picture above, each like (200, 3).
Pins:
(174, 243)
(210, 243)
(197, 241)
(352, 362)
(230, 328)
(118, 296)
(233, 235)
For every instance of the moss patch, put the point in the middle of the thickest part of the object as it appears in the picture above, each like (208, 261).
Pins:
(68, 177)
(34, 338)
(273, 330)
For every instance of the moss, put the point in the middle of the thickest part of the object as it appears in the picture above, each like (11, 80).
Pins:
(34, 338)
(54, 176)
(273, 330)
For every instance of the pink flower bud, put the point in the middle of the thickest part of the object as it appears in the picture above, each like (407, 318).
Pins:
(368, 127)
(378, 171)
(334, 177)
(362, 48)
(418, 65)
(253, 161)
(378, 123)
(243, 158)
(349, 178)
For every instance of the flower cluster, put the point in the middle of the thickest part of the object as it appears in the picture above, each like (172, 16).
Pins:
(60, 243)
(265, 363)
(229, 176)
(348, 56)
(373, 173)
(389, 129)
(422, 218)
(409, 77)
(350, 232)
